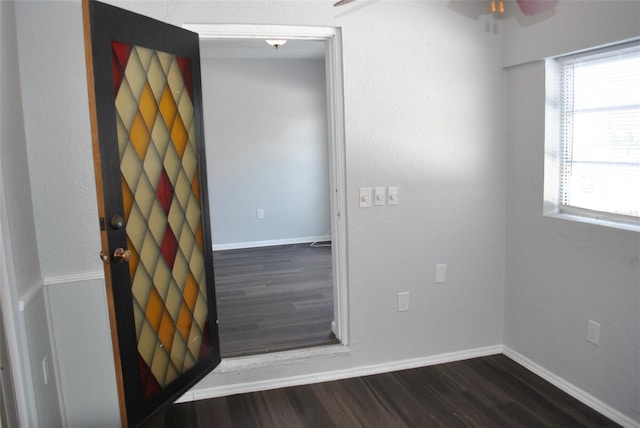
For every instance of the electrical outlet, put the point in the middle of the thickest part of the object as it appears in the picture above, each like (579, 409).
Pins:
(593, 332)
(403, 301)
(260, 213)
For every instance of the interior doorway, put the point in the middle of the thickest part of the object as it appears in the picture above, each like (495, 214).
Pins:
(274, 263)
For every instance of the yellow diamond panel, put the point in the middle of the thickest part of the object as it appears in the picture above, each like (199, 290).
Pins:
(168, 107)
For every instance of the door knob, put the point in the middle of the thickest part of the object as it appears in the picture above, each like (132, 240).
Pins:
(121, 255)
(116, 222)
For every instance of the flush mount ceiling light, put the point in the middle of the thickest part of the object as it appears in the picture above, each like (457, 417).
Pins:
(276, 43)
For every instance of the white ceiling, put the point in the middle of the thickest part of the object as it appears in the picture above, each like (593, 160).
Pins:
(251, 48)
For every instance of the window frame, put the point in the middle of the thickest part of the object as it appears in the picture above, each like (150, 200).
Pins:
(552, 204)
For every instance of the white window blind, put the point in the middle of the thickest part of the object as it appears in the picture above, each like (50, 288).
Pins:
(600, 132)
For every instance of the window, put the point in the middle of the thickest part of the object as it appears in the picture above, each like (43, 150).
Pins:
(592, 165)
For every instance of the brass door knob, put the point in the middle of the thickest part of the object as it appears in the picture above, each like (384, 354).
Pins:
(121, 255)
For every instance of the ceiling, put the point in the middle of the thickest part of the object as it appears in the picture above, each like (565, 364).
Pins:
(253, 48)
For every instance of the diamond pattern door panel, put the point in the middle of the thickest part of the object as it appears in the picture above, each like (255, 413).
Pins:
(161, 196)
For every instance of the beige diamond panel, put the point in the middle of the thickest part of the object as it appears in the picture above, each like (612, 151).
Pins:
(161, 197)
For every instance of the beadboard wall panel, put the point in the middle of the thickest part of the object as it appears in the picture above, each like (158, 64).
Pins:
(44, 389)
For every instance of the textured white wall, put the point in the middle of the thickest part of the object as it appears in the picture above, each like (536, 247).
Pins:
(561, 274)
(27, 331)
(266, 142)
(15, 167)
(569, 27)
(424, 107)
(56, 117)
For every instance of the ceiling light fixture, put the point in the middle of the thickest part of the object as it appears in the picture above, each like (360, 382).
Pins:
(276, 43)
(500, 8)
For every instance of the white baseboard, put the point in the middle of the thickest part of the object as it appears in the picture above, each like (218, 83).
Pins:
(244, 363)
(572, 390)
(245, 387)
(270, 243)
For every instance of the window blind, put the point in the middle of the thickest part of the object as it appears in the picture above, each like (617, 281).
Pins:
(600, 131)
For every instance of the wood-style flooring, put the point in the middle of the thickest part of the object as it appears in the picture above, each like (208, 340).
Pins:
(273, 298)
(483, 392)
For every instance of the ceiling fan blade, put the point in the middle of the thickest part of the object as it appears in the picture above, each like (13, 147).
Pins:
(534, 7)
(342, 2)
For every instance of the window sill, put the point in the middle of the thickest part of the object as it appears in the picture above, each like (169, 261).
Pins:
(595, 221)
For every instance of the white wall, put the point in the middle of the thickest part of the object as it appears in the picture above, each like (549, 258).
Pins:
(571, 26)
(560, 274)
(60, 169)
(266, 142)
(424, 107)
(23, 300)
(13, 158)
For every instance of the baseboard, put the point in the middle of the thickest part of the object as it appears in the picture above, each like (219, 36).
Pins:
(245, 387)
(270, 243)
(572, 390)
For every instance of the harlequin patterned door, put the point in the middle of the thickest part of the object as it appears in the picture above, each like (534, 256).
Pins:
(145, 96)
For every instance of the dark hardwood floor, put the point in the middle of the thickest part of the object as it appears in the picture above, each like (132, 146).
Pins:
(482, 392)
(273, 298)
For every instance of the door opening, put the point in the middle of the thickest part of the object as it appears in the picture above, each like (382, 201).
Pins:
(239, 45)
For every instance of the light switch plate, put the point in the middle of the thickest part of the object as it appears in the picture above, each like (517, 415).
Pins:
(380, 196)
(366, 197)
(45, 371)
(403, 301)
(393, 196)
(441, 274)
(593, 332)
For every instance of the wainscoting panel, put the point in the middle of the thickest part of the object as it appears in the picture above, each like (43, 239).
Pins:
(83, 348)
(44, 388)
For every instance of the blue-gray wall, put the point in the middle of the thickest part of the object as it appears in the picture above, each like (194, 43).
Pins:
(266, 142)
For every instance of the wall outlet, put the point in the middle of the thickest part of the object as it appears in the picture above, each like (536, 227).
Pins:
(593, 332)
(260, 213)
(403, 301)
